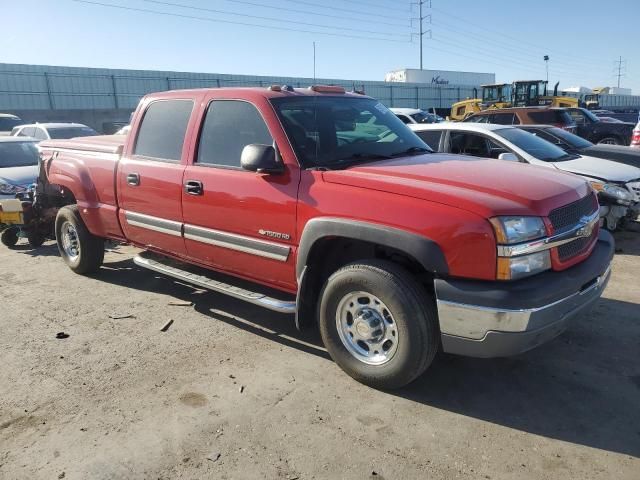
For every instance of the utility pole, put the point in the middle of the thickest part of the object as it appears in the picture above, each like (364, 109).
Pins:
(421, 31)
(314, 63)
(620, 62)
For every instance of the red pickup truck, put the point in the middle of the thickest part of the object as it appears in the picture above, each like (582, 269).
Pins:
(323, 204)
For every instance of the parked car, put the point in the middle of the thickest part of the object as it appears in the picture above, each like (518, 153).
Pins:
(395, 250)
(635, 137)
(18, 165)
(558, 117)
(415, 115)
(596, 130)
(615, 180)
(47, 131)
(574, 144)
(8, 122)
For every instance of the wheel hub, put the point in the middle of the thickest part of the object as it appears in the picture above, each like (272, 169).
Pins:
(367, 328)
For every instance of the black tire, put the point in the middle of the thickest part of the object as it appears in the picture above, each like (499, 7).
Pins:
(9, 237)
(36, 239)
(413, 312)
(610, 140)
(90, 249)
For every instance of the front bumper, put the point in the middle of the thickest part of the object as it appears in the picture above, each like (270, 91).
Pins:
(496, 319)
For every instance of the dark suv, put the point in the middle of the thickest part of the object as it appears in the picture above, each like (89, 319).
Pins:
(596, 131)
(558, 117)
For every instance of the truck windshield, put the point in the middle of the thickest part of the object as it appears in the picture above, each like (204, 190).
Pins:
(18, 154)
(334, 132)
(71, 132)
(534, 145)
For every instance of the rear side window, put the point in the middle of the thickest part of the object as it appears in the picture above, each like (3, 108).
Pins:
(503, 118)
(404, 119)
(551, 117)
(431, 138)
(230, 125)
(161, 133)
(40, 134)
(27, 132)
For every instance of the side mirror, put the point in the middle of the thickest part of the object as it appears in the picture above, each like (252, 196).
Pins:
(510, 157)
(261, 159)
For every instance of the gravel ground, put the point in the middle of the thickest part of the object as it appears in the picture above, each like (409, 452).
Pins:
(230, 391)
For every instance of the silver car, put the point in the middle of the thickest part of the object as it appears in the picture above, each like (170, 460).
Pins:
(18, 165)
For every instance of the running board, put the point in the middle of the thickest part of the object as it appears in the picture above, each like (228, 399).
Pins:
(163, 265)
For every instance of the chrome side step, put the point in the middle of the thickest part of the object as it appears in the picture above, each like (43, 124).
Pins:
(155, 263)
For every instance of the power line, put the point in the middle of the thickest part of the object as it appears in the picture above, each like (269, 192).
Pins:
(346, 10)
(231, 22)
(315, 14)
(421, 18)
(273, 19)
(518, 40)
(372, 5)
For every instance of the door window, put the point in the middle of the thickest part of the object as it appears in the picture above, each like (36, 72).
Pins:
(161, 133)
(502, 118)
(230, 125)
(27, 132)
(40, 134)
(404, 119)
(469, 144)
(577, 116)
(431, 138)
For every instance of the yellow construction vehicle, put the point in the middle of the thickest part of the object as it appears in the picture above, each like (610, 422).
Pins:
(521, 93)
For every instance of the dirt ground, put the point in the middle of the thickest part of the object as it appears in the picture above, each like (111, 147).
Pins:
(231, 391)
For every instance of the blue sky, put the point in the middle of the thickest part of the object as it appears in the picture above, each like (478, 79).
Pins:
(583, 38)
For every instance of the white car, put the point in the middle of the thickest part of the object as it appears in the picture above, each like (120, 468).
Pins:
(47, 131)
(18, 165)
(617, 182)
(415, 116)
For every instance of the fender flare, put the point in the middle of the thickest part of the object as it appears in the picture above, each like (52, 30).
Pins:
(423, 249)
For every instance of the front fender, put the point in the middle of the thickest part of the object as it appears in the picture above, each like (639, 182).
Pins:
(424, 250)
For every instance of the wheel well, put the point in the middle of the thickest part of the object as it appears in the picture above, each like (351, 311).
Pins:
(330, 254)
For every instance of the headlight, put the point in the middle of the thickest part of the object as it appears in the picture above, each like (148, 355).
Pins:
(9, 189)
(619, 194)
(517, 230)
(513, 268)
(511, 230)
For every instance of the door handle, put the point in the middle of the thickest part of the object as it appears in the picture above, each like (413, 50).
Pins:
(193, 187)
(133, 179)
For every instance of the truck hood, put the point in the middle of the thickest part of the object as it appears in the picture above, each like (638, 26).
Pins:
(22, 176)
(616, 153)
(483, 186)
(600, 169)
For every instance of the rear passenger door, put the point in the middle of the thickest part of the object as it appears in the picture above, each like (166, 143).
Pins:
(236, 220)
(150, 177)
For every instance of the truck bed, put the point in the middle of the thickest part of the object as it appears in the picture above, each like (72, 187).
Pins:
(98, 144)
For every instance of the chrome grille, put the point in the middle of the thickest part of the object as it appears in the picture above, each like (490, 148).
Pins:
(566, 217)
(578, 246)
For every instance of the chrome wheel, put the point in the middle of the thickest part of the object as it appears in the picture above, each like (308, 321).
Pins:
(367, 328)
(70, 242)
(608, 141)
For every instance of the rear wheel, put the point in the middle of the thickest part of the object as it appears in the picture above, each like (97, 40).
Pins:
(378, 323)
(610, 141)
(9, 237)
(81, 251)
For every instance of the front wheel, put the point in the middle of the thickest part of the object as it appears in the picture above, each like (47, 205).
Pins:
(81, 251)
(9, 237)
(378, 323)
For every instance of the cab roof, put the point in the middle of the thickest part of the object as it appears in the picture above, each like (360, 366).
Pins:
(274, 91)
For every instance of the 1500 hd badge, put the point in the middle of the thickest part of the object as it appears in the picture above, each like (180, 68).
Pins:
(270, 234)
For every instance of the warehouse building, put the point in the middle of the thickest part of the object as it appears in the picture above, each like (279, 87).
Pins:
(100, 96)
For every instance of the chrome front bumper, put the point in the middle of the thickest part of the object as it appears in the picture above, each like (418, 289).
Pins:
(492, 331)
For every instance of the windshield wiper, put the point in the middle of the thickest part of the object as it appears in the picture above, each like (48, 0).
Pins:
(355, 158)
(412, 150)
